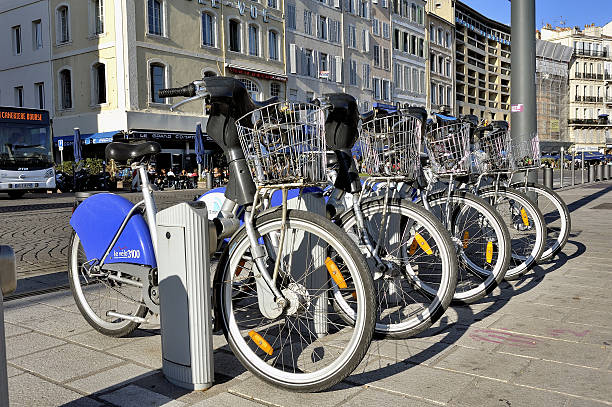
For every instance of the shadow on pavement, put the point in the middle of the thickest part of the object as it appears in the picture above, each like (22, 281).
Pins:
(588, 199)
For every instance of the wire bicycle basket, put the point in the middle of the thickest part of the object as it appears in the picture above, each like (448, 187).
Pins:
(284, 143)
(526, 154)
(492, 152)
(390, 145)
(448, 148)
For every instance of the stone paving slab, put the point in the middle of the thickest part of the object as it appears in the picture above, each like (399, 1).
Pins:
(543, 340)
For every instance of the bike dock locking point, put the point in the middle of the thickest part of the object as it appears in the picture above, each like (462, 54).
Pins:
(185, 295)
(8, 283)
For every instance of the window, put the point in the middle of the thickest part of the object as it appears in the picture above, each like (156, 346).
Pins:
(363, 11)
(40, 94)
(322, 28)
(422, 82)
(386, 30)
(17, 40)
(65, 89)
(420, 15)
(293, 95)
(448, 68)
(63, 24)
(376, 88)
(407, 78)
(434, 88)
(253, 40)
(396, 38)
(365, 41)
(397, 76)
(307, 68)
(158, 80)
(37, 37)
(98, 16)
(19, 96)
(441, 65)
(439, 36)
(432, 62)
(386, 90)
(155, 17)
(99, 84)
(275, 89)
(449, 96)
(375, 26)
(352, 36)
(291, 16)
(405, 42)
(376, 55)
(208, 30)
(447, 40)
(272, 3)
(234, 35)
(273, 45)
(415, 81)
(353, 73)
(413, 12)
(413, 44)
(421, 50)
(323, 67)
(308, 22)
(251, 87)
(386, 59)
(366, 76)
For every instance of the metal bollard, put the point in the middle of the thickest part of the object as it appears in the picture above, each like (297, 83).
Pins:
(600, 172)
(582, 167)
(561, 165)
(573, 169)
(591, 173)
(8, 282)
(209, 180)
(606, 171)
(548, 177)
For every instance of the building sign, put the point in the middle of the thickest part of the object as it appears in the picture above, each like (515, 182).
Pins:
(164, 136)
(255, 74)
(481, 32)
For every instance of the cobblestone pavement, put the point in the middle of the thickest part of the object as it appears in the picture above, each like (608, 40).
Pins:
(543, 340)
(37, 227)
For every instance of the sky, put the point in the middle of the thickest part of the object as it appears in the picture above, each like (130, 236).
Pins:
(573, 12)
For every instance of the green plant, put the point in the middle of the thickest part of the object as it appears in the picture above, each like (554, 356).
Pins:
(65, 167)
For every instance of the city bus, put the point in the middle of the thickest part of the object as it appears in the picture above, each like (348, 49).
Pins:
(26, 156)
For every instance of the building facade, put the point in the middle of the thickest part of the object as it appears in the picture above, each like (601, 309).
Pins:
(440, 66)
(409, 53)
(590, 83)
(25, 69)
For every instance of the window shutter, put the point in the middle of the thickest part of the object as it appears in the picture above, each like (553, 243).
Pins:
(367, 41)
(339, 69)
(293, 58)
(315, 63)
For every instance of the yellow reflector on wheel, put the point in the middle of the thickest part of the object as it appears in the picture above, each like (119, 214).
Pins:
(466, 237)
(413, 247)
(524, 216)
(261, 342)
(424, 245)
(489, 252)
(334, 271)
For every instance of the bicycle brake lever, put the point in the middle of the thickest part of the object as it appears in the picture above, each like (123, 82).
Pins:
(182, 102)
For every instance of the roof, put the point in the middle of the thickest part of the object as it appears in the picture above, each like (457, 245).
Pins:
(553, 51)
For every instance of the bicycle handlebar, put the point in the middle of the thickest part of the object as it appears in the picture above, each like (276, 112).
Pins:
(186, 91)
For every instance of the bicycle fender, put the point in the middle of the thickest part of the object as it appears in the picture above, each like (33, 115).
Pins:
(96, 221)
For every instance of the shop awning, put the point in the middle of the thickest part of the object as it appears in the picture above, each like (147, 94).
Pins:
(92, 138)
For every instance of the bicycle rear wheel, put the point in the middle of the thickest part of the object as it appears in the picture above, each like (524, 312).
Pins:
(416, 251)
(556, 216)
(95, 296)
(308, 347)
(481, 239)
(525, 224)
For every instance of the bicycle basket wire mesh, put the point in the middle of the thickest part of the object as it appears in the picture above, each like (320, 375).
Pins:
(448, 148)
(284, 143)
(390, 145)
(492, 151)
(526, 154)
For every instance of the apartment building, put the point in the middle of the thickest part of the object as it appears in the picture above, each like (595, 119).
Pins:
(25, 69)
(590, 83)
(482, 61)
(440, 66)
(380, 62)
(328, 48)
(409, 52)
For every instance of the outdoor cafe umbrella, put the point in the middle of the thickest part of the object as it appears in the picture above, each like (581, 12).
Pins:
(78, 156)
(199, 148)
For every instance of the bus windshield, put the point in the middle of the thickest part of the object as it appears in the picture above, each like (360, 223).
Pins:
(25, 147)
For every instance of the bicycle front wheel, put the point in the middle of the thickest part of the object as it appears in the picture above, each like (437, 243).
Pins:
(308, 347)
(525, 224)
(415, 252)
(556, 216)
(481, 241)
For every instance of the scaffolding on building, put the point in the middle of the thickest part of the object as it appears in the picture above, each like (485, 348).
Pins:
(552, 92)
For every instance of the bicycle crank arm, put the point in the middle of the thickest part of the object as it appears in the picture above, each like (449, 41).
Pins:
(132, 318)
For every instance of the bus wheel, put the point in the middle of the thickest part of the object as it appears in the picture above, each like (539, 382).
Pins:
(16, 194)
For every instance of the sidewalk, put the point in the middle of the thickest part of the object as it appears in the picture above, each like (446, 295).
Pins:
(544, 340)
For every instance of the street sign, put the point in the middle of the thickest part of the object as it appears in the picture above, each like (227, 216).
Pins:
(60, 145)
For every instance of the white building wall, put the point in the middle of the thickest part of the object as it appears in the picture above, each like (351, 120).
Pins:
(32, 65)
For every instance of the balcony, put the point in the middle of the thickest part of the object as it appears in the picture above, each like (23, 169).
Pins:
(589, 99)
(492, 86)
(590, 53)
(592, 76)
(609, 100)
(589, 121)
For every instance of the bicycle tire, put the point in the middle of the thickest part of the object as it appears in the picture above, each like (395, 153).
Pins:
(79, 286)
(233, 274)
(527, 248)
(405, 309)
(478, 274)
(559, 213)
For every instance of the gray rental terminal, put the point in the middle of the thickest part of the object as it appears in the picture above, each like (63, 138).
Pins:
(183, 242)
(8, 283)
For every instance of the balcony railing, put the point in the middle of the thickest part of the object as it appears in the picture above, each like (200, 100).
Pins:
(588, 121)
(591, 52)
(594, 76)
(589, 99)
